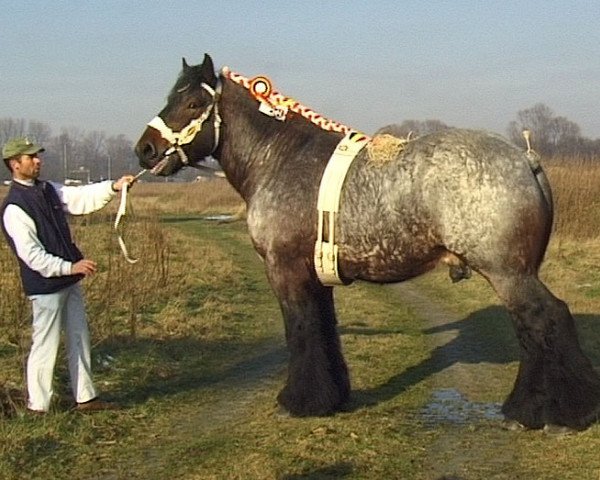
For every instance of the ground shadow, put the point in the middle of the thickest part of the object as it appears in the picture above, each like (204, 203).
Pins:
(182, 218)
(485, 336)
(176, 365)
(337, 470)
(142, 368)
(216, 219)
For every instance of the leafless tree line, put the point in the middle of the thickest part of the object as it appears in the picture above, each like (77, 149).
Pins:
(92, 156)
(74, 154)
(552, 136)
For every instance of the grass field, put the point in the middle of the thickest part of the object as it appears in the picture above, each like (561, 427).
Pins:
(190, 342)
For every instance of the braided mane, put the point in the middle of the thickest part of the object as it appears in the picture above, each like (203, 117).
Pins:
(261, 88)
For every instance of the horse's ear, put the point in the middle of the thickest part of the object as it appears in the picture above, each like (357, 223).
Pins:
(208, 70)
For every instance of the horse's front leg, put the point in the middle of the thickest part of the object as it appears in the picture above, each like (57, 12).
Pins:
(318, 382)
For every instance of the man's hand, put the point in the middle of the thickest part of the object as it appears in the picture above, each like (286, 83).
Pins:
(125, 179)
(84, 267)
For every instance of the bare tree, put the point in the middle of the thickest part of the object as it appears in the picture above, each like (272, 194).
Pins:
(93, 155)
(61, 150)
(564, 135)
(39, 132)
(120, 156)
(12, 127)
(551, 135)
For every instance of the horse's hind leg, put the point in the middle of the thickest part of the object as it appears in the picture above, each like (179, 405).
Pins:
(318, 382)
(556, 383)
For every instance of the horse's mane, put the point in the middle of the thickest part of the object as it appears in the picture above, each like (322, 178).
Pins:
(276, 100)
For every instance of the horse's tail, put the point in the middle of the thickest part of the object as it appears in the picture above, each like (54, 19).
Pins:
(542, 180)
(546, 193)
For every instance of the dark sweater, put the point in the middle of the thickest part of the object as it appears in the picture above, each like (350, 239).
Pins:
(42, 204)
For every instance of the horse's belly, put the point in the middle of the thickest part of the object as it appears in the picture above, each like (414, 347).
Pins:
(385, 264)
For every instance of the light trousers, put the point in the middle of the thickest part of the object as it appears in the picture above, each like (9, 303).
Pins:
(53, 313)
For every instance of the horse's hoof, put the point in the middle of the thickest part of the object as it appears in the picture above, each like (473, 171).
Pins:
(513, 426)
(558, 430)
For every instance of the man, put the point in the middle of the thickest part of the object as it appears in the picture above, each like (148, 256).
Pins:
(51, 266)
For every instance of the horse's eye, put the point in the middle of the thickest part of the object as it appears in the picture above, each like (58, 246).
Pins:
(193, 105)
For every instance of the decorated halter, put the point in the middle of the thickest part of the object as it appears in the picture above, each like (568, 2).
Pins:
(276, 105)
(187, 134)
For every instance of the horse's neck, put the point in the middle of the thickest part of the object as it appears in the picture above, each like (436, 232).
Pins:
(254, 146)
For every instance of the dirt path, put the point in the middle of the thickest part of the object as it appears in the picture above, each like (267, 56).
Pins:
(468, 443)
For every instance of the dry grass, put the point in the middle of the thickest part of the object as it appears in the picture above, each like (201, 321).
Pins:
(210, 196)
(576, 190)
(170, 198)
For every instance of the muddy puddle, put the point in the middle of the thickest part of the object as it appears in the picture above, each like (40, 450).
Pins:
(449, 406)
(219, 217)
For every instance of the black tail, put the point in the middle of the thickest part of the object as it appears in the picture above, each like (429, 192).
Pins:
(542, 180)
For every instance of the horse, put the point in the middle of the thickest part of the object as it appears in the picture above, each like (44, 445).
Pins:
(467, 198)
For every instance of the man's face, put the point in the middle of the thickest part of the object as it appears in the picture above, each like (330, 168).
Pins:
(27, 167)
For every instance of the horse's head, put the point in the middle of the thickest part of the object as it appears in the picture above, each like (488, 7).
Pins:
(187, 130)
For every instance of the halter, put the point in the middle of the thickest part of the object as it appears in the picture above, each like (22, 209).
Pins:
(187, 134)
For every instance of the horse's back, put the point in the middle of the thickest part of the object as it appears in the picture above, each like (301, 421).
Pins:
(468, 192)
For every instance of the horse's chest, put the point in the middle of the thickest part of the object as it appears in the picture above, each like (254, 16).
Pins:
(276, 225)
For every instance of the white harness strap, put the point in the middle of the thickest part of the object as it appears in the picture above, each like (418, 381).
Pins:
(326, 249)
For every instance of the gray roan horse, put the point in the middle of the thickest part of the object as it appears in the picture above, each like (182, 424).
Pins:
(466, 198)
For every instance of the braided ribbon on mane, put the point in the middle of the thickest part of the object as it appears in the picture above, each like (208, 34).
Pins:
(266, 94)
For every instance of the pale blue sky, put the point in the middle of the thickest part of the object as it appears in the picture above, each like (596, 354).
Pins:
(108, 65)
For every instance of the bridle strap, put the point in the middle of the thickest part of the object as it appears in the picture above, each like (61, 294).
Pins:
(188, 133)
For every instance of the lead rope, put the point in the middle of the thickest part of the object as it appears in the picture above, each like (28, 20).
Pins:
(120, 214)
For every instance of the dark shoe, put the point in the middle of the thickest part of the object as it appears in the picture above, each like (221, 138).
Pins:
(35, 413)
(95, 405)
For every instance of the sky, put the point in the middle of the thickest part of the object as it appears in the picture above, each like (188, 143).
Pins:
(108, 65)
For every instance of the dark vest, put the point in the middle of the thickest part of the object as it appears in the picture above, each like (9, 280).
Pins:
(42, 204)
